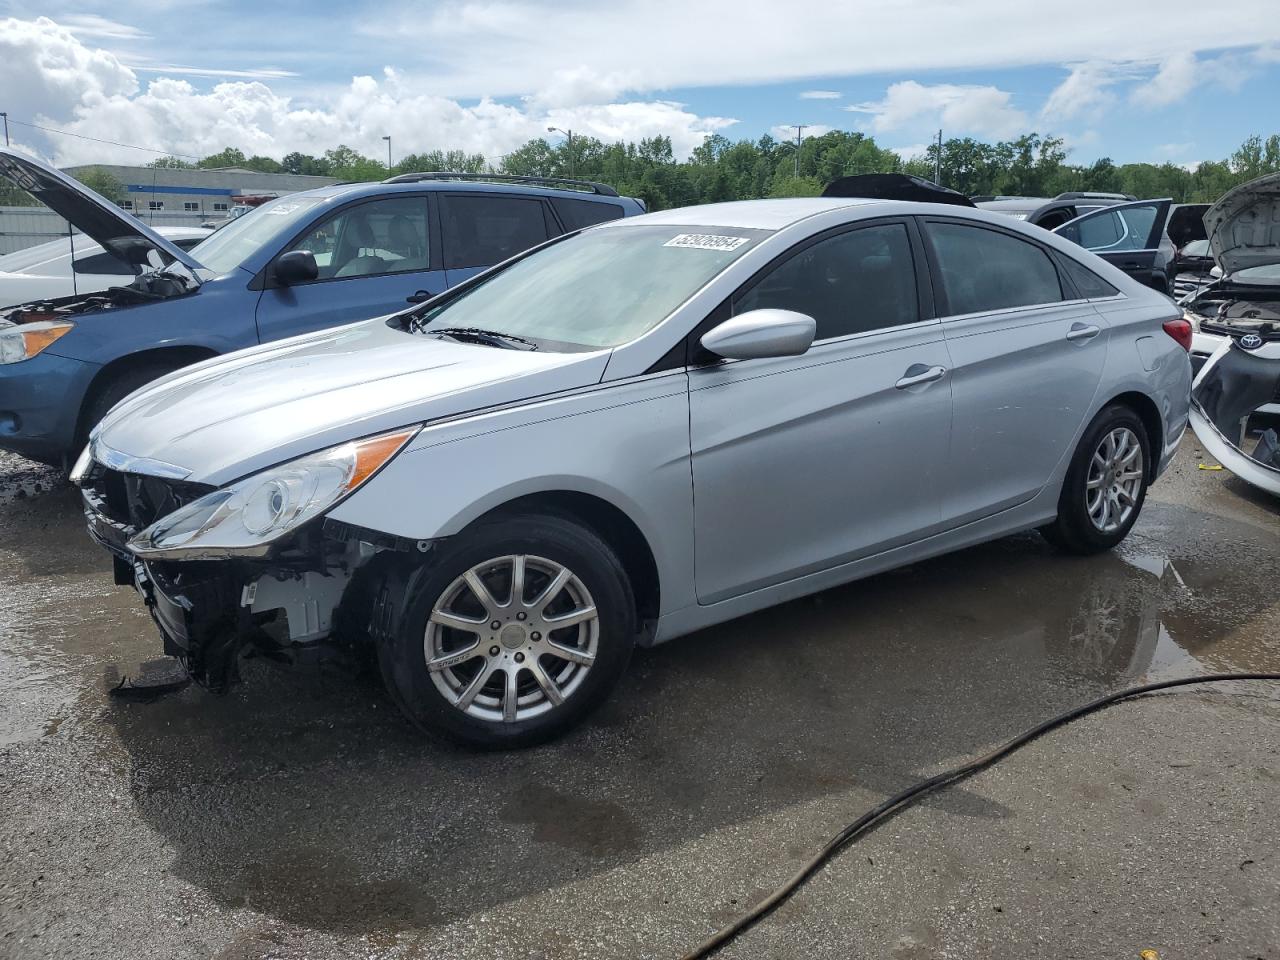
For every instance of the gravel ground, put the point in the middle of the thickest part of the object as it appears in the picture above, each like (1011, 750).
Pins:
(300, 817)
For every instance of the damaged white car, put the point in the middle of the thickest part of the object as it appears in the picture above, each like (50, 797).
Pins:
(1237, 335)
(634, 432)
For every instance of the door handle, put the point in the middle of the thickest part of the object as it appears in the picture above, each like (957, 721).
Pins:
(422, 296)
(921, 374)
(1083, 331)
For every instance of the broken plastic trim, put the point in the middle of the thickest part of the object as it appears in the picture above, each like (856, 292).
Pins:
(1242, 375)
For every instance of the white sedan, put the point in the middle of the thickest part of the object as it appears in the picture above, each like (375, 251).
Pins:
(63, 267)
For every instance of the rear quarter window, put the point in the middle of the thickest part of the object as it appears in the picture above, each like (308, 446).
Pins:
(576, 214)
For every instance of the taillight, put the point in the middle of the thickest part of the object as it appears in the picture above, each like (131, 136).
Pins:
(1180, 330)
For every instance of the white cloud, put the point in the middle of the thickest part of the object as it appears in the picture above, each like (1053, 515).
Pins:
(1177, 75)
(100, 28)
(787, 131)
(1086, 89)
(1167, 150)
(958, 108)
(819, 95)
(911, 152)
(1180, 73)
(62, 83)
(495, 47)
(264, 73)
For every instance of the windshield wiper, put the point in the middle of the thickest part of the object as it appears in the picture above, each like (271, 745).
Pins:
(480, 335)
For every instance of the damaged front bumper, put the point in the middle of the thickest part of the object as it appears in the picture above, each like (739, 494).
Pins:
(1239, 380)
(209, 612)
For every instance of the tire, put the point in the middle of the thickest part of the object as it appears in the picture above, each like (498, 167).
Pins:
(116, 389)
(467, 697)
(1088, 521)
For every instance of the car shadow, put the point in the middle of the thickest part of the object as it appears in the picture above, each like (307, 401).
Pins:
(305, 796)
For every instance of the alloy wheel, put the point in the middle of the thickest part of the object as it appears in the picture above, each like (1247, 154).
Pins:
(512, 638)
(1114, 483)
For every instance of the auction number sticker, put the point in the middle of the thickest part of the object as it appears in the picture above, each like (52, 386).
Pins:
(706, 241)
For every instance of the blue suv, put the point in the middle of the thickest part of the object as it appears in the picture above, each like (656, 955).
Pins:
(300, 263)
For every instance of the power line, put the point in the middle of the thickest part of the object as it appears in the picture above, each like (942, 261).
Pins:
(114, 143)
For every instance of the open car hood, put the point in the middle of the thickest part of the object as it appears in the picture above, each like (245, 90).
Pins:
(1244, 226)
(93, 215)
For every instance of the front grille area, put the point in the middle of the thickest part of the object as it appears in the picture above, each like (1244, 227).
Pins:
(138, 500)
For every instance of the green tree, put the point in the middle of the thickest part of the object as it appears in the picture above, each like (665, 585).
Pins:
(452, 161)
(102, 182)
(347, 164)
(302, 163)
(171, 163)
(230, 157)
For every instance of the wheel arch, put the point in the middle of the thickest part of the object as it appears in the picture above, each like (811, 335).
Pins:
(1152, 421)
(179, 355)
(612, 524)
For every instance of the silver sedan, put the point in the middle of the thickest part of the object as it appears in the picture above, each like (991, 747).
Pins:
(634, 432)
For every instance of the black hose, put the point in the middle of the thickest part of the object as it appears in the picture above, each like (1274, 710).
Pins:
(872, 818)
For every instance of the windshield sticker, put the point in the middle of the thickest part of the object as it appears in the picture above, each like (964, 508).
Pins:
(279, 210)
(706, 241)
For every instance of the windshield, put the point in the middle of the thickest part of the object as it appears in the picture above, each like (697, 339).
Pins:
(598, 289)
(244, 236)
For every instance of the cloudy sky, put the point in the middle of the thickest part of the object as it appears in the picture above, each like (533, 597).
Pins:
(1186, 83)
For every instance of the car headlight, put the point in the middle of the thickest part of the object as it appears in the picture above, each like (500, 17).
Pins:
(244, 518)
(23, 341)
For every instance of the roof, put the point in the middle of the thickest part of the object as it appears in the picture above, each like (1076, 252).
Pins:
(381, 189)
(751, 214)
(1014, 204)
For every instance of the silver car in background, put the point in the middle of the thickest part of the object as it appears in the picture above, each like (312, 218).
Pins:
(634, 432)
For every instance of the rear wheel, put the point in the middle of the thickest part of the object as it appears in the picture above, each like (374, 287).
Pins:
(1105, 486)
(513, 635)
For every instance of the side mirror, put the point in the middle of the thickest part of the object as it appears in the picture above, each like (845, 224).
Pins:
(761, 333)
(296, 266)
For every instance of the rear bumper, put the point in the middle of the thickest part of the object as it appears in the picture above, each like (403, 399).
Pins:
(40, 403)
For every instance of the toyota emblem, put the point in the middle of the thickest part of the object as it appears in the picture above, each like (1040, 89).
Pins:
(1251, 341)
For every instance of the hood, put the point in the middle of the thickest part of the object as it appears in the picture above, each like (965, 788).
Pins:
(231, 416)
(894, 186)
(91, 214)
(1244, 226)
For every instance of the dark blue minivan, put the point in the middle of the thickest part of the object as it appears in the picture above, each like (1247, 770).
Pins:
(305, 261)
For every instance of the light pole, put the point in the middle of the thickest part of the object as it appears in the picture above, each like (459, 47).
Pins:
(569, 135)
(6, 127)
(388, 139)
(799, 131)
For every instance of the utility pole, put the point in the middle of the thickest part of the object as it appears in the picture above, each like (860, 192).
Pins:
(937, 162)
(388, 139)
(799, 130)
(6, 127)
(569, 136)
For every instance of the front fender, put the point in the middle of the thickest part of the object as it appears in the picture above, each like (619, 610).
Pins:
(624, 443)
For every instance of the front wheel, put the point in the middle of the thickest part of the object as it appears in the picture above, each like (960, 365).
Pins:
(512, 634)
(1105, 486)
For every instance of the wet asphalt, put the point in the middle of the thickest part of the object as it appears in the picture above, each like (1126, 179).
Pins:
(300, 817)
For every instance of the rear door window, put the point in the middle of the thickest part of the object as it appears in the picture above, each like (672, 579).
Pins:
(576, 214)
(482, 229)
(852, 282)
(984, 270)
